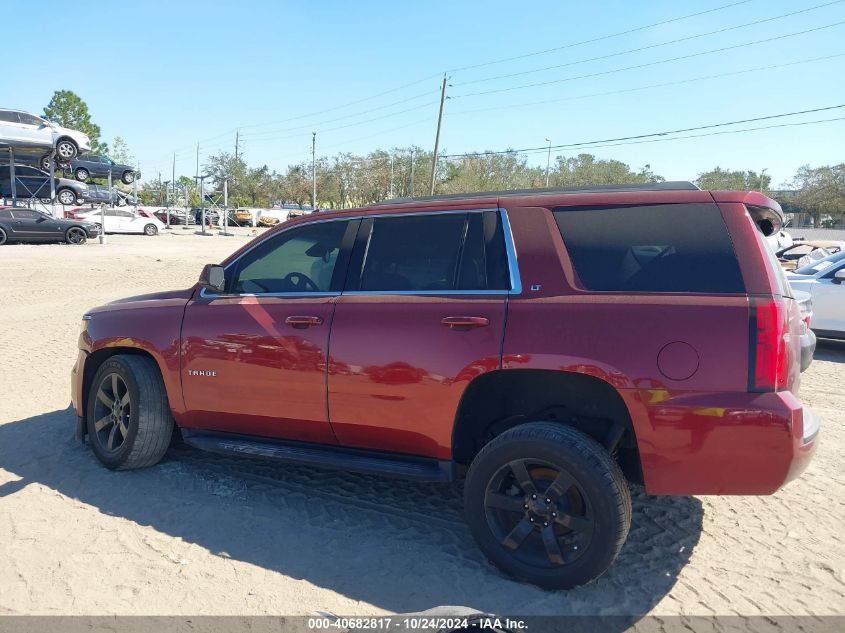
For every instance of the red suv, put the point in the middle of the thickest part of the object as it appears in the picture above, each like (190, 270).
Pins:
(545, 346)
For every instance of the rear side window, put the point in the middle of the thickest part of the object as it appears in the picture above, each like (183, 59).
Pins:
(659, 248)
(437, 252)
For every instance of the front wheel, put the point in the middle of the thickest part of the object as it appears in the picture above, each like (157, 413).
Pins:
(548, 505)
(66, 150)
(128, 177)
(76, 235)
(128, 418)
(82, 174)
(3, 237)
(150, 229)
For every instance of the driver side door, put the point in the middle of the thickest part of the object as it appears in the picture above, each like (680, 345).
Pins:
(254, 356)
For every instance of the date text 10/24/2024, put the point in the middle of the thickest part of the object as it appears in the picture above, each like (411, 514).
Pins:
(418, 623)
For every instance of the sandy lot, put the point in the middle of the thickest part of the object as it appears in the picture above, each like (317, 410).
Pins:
(207, 535)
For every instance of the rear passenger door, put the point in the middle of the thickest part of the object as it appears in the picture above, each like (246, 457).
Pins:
(421, 315)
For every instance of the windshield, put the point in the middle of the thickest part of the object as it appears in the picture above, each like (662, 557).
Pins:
(820, 265)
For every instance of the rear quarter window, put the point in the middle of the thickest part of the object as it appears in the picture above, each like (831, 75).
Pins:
(658, 248)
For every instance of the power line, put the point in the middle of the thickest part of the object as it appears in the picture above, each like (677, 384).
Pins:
(652, 46)
(601, 38)
(649, 86)
(654, 63)
(348, 125)
(641, 136)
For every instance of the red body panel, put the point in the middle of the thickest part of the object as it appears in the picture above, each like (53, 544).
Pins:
(397, 374)
(381, 371)
(269, 376)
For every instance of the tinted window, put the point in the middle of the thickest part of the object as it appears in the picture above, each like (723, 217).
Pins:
(22, 214)
(436, 252)
(661, 248)
(5, 214)
(27, 171)
(8, 117)
(28, 119)
(484, 262)
(299, 260)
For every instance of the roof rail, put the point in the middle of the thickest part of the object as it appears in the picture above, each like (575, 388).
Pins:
(677, 185)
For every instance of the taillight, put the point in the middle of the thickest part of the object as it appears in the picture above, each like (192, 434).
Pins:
(769, 348)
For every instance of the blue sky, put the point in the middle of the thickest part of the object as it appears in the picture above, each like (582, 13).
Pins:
(165, 75)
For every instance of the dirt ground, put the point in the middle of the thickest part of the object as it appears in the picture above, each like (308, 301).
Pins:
(200, 534)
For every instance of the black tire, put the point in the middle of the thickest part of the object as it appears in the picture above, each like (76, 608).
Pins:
(45, 162)
(148, 424)
(66, 196)
(82, 174)
(66, 150)
(128, 177)
(588, 521)
(150, 229)
(2, 237)
(76, 235)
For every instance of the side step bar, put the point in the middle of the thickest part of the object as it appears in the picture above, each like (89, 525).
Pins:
(334, 457)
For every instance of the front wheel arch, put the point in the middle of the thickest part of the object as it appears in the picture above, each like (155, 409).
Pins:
(96, 358)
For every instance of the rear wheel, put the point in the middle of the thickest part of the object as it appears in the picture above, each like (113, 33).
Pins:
(82, 174)
(76, 235)
(548, 505)
(128, 418)
(46, 162)
(2, 237)
(128, 177)
(150, 229)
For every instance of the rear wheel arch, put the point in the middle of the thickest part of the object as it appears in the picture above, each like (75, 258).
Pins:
(503, 399)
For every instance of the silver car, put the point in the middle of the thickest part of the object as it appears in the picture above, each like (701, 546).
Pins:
(25, 131)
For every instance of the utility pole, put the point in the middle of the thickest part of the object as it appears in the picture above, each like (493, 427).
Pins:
(237, 138)
(765, 169)
(437, 137)
(548, 161)
(313, 171)
(197, 172)
(412, 172)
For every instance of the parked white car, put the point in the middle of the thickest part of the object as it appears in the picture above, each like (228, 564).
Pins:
(22, 130)
(122, 220)
(825, 281)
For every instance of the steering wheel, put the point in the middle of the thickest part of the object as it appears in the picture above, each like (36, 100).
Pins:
(301, 282)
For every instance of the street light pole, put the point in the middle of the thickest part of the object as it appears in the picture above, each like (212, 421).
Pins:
(765, 169)
(548, 161)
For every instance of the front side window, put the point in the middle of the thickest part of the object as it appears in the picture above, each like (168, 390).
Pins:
(435, 252)
(21, 214)
(8, 117)
(300, 260)
(29, 119)
(656, 248)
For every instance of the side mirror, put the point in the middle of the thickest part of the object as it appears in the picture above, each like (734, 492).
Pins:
(213, 278)
(839, 277)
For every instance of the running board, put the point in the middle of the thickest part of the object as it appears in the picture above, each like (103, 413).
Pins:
(334, 457)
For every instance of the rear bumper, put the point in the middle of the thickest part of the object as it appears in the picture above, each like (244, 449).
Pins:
(717, 443)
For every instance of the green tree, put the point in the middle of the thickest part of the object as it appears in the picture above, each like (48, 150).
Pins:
(585, 170)
(820, 191)
(725, 179)
(68, 110)
(120, 152)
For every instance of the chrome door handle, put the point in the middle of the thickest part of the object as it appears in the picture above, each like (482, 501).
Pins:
(302, 322)
(464, 322)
